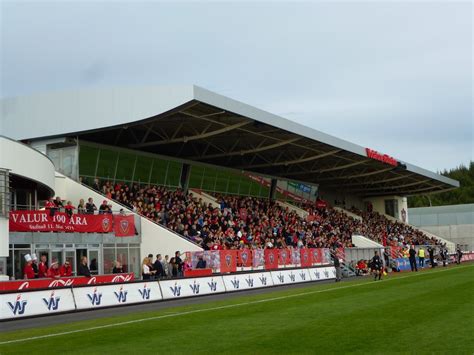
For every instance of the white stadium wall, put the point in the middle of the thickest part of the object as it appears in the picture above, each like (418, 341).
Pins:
(155, 238)
(454, 223)
(29, 164)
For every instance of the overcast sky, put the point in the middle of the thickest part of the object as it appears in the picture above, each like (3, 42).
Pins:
(393, 76)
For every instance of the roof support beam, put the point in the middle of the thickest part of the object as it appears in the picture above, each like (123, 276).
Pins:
(358, 175)
(290, 162)
(247, 151)
(374, 182)
(191, 138)
(340, 167)
(409, 192)
(393, 187)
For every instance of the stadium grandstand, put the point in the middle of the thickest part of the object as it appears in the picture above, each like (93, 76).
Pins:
(183, 168)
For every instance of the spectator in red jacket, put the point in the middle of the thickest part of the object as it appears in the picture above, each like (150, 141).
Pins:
(69, 209)
(66, 269)
(53, 271)
(43, 267)
(28, 271)
(50, 206)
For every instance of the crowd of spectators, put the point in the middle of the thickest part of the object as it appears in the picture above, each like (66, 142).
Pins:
(390, 233)
(54, 205)
(250, 222)
(34, 269)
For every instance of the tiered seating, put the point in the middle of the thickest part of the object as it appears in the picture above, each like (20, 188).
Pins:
(243, 221)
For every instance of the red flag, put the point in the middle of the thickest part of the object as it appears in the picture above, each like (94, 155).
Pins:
(124, 226)
(317, 255)
(305, 257)
(271, 259)
(245, 257)
(228, 260)
(284, 257)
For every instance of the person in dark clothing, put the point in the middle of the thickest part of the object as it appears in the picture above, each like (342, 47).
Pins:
(337, 265)
(118, 268)
(458, 255)
(201, 264)
(35, 265)
(104, 207)
(179, 263)
(158, 267)
(83, 269)
(431, 254)
(444, 255)
(412, 259)
(377, 266)
(90, 206)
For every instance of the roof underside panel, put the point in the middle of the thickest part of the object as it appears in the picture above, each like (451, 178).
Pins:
(204, 133)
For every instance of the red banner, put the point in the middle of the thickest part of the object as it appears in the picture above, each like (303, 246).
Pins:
(317, 255)
(271, 259)
(306, 257)
(124, 226)
(64, 282)
(284, 257)
(228, 260)
(42, 221)
(245, 258)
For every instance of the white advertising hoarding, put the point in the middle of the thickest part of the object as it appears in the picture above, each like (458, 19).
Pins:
(32, 303)
(191, 287)
(116, 295)
(247, 281)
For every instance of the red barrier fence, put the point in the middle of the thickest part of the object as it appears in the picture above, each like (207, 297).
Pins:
(43, 221)
(64, 281)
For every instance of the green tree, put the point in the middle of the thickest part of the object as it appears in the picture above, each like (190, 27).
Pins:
(464, 194)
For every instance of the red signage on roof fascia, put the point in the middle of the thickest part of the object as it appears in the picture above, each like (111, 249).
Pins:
(384, 158)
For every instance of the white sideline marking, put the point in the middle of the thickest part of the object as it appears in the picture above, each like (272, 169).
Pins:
(220, 307)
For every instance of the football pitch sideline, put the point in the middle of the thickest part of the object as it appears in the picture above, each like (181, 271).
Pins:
(426, 312)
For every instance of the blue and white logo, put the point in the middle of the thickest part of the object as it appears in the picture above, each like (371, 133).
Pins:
(303, 276)
(52, 303)
(19, 306)
(145, 292)
(176, 290)
(249, 281)
(292, 277)
(121, 295)
(235, 283)
(263, 280)
(195, 288)
(95, 298)
(212, 285)
(281, 278)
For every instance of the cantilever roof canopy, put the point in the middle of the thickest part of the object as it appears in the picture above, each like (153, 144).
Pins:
(198, 125)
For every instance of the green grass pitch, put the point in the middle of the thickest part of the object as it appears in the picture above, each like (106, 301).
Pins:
(426, 312)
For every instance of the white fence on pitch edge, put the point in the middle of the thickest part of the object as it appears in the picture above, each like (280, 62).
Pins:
(33, 303)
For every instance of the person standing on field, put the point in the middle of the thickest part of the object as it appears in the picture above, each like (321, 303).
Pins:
(431, 253)
(337, 265)
(421, 257)
(377, 266)
(412, 258)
